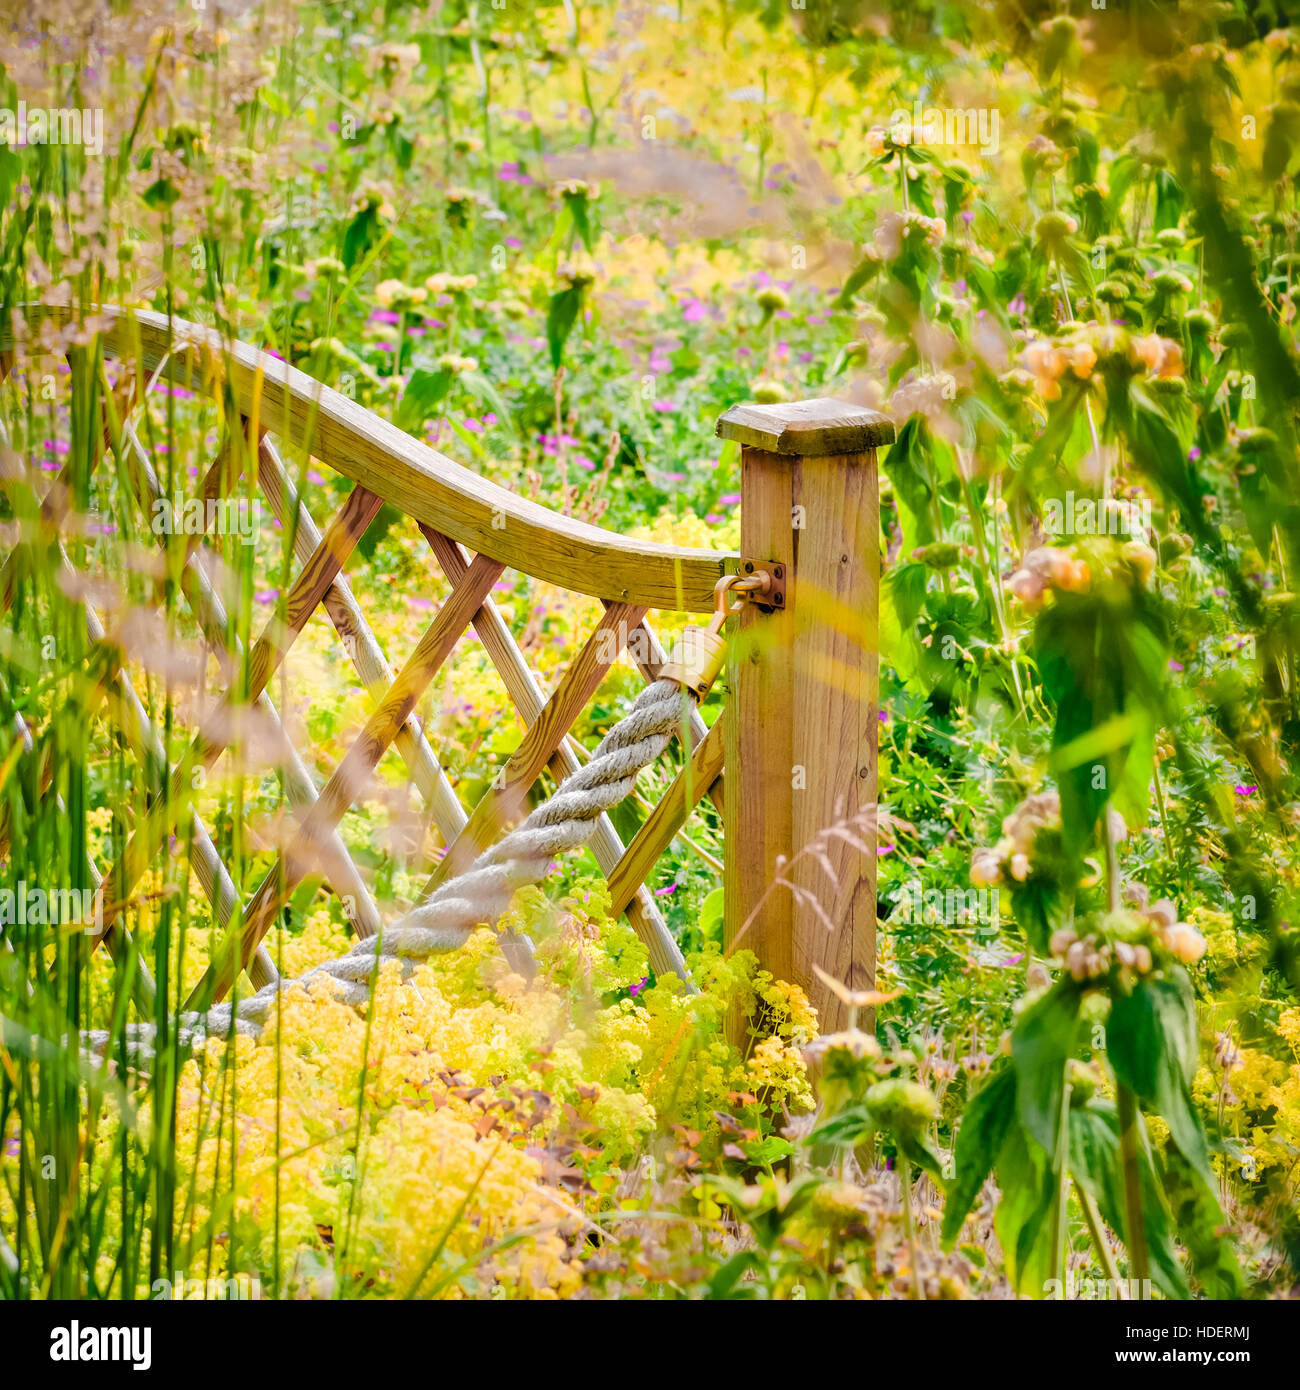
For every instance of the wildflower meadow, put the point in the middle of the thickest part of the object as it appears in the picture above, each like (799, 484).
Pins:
(650, 652)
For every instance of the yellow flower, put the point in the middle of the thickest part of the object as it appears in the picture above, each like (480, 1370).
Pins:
(393, 294)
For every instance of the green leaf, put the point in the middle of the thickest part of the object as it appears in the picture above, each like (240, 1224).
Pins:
(769, 1149)
(910, 465)
(1152, 1046)
(726, 1279)
(864, 272)
(581, 219)
(425, 392)
(850, 1126)
(472, 441)
(1020, 1221)
(1280, 142)
(1198, 1219)
(985, 1124)
(560, 318)
(1096, 1165)
(1104, 667)
(711, 910)
(360, 234)
(1042, 1042)
(10, 168)
(919, 1152)
(385, 519)
(481, 389)
(1059, 50)
(1169, 200)
(161, 194)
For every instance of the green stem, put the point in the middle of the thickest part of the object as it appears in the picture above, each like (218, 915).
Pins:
(1092, 1218)
(1128, 1147)
(1060, 1224)
(905, 1183)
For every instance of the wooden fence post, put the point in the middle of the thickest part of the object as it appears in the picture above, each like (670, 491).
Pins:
(803, 691)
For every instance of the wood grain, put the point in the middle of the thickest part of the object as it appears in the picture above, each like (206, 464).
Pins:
(504, 803)
(208, 745)
(818, 427)
(760, 727)
(801, 753)
(836, 660)
(313, 582)
(360, 643)
(416, 479)
(350, 777)
(528, 699)
(668, 817)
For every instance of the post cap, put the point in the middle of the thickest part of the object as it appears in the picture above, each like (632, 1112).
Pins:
(821, 426)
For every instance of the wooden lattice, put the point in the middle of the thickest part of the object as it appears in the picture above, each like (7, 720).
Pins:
(453, 508)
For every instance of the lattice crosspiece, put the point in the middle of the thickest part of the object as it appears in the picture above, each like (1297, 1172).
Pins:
(449, 505)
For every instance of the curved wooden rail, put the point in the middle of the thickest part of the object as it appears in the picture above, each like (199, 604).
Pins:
(416, 479)
(797, 736)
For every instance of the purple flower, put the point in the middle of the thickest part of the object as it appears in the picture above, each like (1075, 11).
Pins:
(1243, 790)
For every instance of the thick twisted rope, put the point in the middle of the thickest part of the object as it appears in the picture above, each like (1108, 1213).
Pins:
(476, 898)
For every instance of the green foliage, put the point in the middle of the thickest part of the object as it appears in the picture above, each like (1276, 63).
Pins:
(1095, 732)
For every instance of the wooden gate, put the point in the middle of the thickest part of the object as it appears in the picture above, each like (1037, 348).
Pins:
(796, 735)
